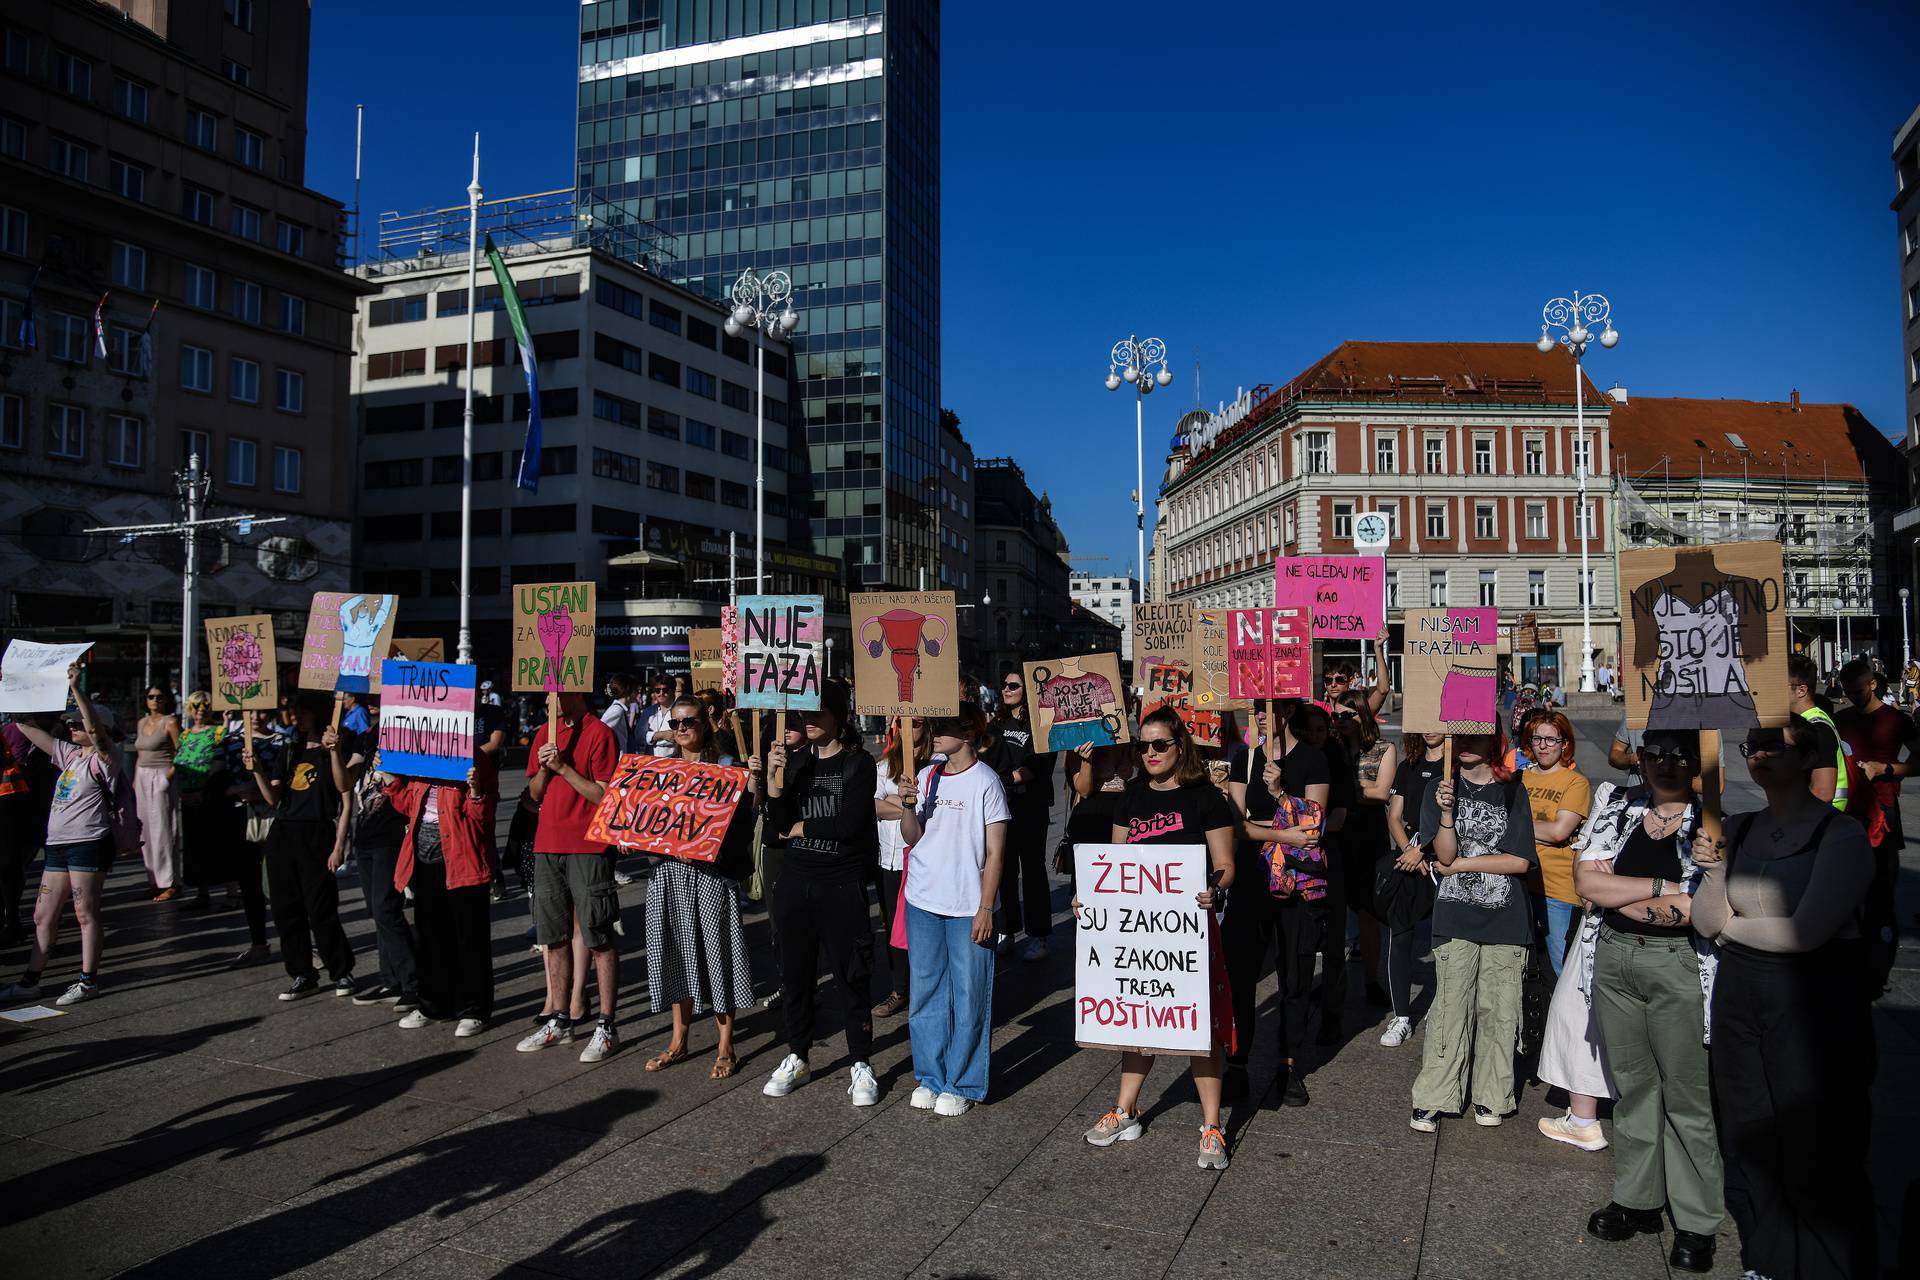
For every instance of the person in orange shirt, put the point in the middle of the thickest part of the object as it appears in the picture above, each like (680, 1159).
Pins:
(1561, 797)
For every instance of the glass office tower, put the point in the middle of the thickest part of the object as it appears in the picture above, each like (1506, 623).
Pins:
(802, 135)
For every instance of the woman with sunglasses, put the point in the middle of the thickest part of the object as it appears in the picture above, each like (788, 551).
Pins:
(1647, 986)
(447, 861)
(1483, 848)
(1365, 838)
(1403, 882)
(155, 737)
(888, 806)
(1793, 1047)
(696, 950)
(80, 841)
(1026, 896)
(824, 809)
(1176, 803)
(957, 830)
(1561, 797)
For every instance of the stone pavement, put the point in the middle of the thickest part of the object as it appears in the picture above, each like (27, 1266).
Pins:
(188, 1124)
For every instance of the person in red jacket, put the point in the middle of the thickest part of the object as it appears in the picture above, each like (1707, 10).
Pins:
(448, 860)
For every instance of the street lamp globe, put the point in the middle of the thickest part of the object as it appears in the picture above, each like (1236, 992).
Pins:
(733, 330)
(1163, 377)
(1609, 336)
(1113, 382)
(743, 315)
(1546, 341)
(789, 321)
(1131, 374)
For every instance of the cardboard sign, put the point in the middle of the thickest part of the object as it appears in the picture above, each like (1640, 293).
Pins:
(782, 647)
(704, 649)
(1450, 666)
(729, 650)
(33, 676)
(680, 808)
(553, 626)
(1705, 636)
(1170, 684)
(906, 655)
(1163, 633)
(418, 649)
(1140, 969)
(1076, 700)
(1267, 654)
(1207, 652)
(426, 718)
(348, 636)
(1526, 637)
(243, 674)
(1345, 595)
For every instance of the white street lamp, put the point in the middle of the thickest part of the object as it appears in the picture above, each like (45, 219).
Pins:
(1906, 638)
(1573, 317)
(761, 302)
(1130, 361)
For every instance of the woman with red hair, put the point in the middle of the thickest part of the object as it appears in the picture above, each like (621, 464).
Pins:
(1483, 843)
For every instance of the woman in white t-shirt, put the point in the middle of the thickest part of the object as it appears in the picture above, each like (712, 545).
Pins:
(892, 781)
(958, 833)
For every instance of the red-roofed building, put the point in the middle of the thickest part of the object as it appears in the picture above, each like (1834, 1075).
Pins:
(1819, 477)
(1468, 449)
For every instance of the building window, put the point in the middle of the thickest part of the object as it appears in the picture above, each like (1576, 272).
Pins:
(735, 396)
(662, 423)
(385, 311)
(72, 75)
(18, 49)
(246, 301)
(1393, 588)
(1536, 519)
(1343, 521)
(663, 477)
(243, 381)
(291, 238)
(196, 444)
(1586, 587)
(735, 445)
(1533, 453)
(68, 157)
(1392, 512)
(1290, 533)
(203, 129)
(1316, 452)
(249, 148)
(13, 420)
(1386, 454)
(1536, 588)
(289, 391)
(124, 441)
(701, 383)
(397, 364)
(702, 487)
(1583, 520)
(67, 431)
(244, 221)
(128, 266)
(13, 231)
(12, 315)
(699, 434)
(243, 457)
(293, 314)
(127, 179)
(1483, 455)
(286, 469)
(1436, 588)
(733, 493)
(662, 316)
(200, 291)
(238, 72)
(70, 338)
(1436, 455)
(1582, 456)
(196, 205)
(1489, 588)
(13, 138)
(130, 99)
(196, 369)
(123, 350)
(661, 369)
(240, 13)
(1436, 519)
(1485, 524)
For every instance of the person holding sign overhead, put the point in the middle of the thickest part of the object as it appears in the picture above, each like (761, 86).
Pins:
(448, 862)
(1176, 803)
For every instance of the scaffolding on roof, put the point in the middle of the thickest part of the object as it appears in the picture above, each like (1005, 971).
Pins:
(539, 223)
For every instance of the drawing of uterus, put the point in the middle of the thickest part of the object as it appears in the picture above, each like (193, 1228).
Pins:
(901, 632)
(555, 629)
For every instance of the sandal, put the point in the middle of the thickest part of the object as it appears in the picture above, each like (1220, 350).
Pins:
(667, 1058)
(722, 1067)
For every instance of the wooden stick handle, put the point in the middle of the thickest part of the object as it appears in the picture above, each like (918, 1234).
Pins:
(733, 723)
(339, 705)
(1446, 760)
(780, 737)
(905, 730)
(553, 720)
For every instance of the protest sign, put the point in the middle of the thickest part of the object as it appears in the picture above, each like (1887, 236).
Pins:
(906, 659)
(1076, 700)
(241, 662)
(1162, 633)
(348, 636)
(1141, 978)
(418, 648)
(782, 644)
(704, 648)
(426, 719)
(33, 676)
(729, 650)
(1267, 654)
(1449, 663)
(1705, 636)
(659, 804)
(553, 637)
(1170, 684)
(1207, 651)
(1345, 596)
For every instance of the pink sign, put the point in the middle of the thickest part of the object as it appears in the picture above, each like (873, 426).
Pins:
(1267, 653)
(1346, 595)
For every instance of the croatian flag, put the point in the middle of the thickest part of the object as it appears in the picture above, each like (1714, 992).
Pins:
(100, 326)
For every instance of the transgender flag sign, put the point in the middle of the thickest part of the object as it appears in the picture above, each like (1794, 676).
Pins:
(426, 719)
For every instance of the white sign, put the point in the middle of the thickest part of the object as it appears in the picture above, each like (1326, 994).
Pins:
(1140, 968)
(33, 676)
(1201, 438)
(1370, 532)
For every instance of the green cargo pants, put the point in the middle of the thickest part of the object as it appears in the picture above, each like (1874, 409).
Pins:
(1474, 1019)
(1646, 993)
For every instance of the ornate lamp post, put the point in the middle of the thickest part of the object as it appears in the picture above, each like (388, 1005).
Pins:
(1130, 361)
(1574, 318)
(761, 302)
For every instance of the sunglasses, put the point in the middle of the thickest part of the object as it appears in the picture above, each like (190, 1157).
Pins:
(153, 697)
(660, 688)
(684, 723)
(1012, 684)
(1670, 757)
(1762, 747)
(1347, 715)
(1153, 746)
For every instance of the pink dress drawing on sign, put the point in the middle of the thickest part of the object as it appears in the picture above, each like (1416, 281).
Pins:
(1467, 700)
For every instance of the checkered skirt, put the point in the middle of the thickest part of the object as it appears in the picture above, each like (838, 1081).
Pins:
(696, 949)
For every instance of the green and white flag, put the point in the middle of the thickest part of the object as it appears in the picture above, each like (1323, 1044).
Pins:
(529, 477)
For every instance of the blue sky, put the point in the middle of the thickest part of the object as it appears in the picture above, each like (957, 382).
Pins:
(1260, 182)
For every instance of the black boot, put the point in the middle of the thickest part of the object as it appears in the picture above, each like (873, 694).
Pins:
(1617, 1222)
(1691, 1251)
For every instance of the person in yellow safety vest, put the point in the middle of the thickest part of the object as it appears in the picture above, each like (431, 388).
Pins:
(1829, 781)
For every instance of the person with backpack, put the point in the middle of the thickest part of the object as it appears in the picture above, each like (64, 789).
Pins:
(1793, 1045)
(92, 819)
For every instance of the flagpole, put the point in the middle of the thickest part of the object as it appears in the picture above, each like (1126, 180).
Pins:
(465, 646)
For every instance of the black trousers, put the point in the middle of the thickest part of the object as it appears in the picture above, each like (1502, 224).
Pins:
(17, 845)
(1400, 949)
(253, 896)
(388, 907)
(1257, 924)
(1879, 922)
(454, 929)
(1793, 1059)
(889, 888)
(306, 899)
(1026, 896)
(814, 914)
(1333, 937)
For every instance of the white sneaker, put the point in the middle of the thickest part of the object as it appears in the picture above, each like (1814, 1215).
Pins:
(865, 1090)
(552, 1031)
(1398, 1032)
(77, 992)
(414, 1021)
(1115, 1126)
(469, 1027)
(1036, 949)
(622, 879)
(952, 1104)
(922, 1099)
(788, 1076)
(605, 1041)
(1586, 1135)
(1001, 942)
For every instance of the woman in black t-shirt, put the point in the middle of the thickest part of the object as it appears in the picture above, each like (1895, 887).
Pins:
(1314, 727)
(1176, 803)
(305, 846)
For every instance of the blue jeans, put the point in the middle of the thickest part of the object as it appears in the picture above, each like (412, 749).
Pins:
(951, 1014)
(1555, 917)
